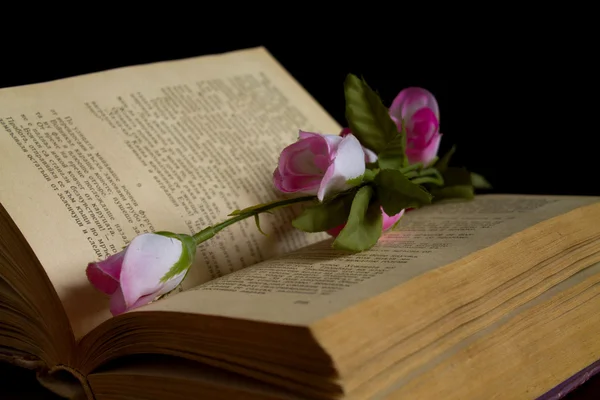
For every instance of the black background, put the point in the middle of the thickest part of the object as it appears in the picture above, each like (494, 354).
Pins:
(510, 98)
(512, 106)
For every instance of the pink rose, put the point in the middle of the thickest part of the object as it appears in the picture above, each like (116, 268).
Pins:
(388, 222)
(320, 164)
(419, 110)
(132, 276)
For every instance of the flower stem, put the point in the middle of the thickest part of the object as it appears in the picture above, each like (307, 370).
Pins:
(211, 231)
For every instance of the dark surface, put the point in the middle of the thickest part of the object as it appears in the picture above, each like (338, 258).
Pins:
(513, 112)
(513, 109)
(19, 384)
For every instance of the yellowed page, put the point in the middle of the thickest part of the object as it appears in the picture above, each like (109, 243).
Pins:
(516, 359)
(86, 163)
(308, 285)
(526, 312)
(169, 377)
(193, 373)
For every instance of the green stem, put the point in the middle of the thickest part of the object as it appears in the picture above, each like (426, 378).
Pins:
(211, 231)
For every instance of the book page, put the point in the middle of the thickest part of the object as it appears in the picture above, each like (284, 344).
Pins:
(528, 311)
(312, 283)
(148, 375)
(87, 163)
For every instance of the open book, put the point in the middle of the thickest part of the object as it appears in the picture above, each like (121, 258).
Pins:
(495, 297)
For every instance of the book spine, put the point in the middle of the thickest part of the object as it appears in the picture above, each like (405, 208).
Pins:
(61, 380)
(66, 382)
(560, 391)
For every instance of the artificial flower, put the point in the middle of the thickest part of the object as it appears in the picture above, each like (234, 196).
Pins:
(419, 110)
(132, 277)
(388, 222)
(320, 164)
(370, 156)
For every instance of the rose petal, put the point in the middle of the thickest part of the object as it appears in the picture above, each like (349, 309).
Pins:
(309, 156)
(424, 126)
(293, 184)
(349, 163)
(336, 231)
(278, 180)
(329, 183)
(288, 153)
(302, 135)
(426, 155)
(322, 163)
(147, 259)
(104, 275)
(411, 99)
(332, 141)
(304, 184)
(389, 222)
(370, 156)
(166, 288)
(117, 302)
(303, 163)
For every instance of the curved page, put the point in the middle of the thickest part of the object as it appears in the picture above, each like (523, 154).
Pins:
(87, 163)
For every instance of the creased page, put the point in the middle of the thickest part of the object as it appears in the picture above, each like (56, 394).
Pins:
(312, 283)
(87, 163)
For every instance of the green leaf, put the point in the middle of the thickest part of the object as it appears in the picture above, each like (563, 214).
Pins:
(393, 155)
(433, 161)
(453, 192)
(442, 164)
(324, 216)
(368, 118)
(257, 222)
(457, 185)
(457, 176)
(365, 222)
(427, 175)
(412, 168)
(433, 180)
(188, 254)
(396, 192)
(479, 182)
(370, 175)
(355, 181)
